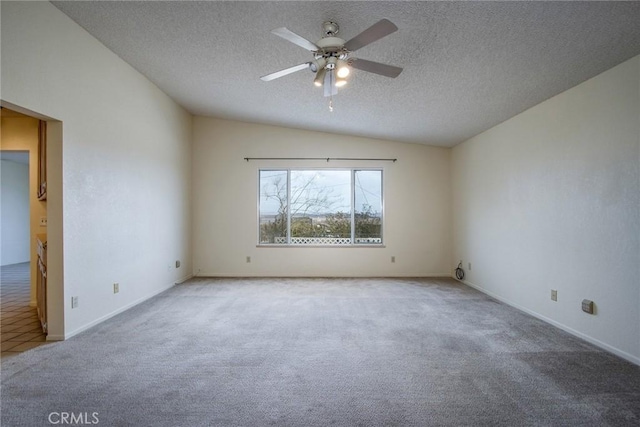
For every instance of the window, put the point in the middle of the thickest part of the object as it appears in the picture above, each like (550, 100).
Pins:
(338, 207)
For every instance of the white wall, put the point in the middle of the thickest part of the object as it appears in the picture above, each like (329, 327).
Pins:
(416, 193)
(14, 199)
(124, 184)
(550, 199)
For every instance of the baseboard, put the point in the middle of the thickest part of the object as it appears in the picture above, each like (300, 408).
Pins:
(113, 313)
(623, 354)
(184, 279)
(280, 276)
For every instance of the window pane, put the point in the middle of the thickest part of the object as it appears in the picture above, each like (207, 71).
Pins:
(321, 207)
(368, 206)
(273, 206)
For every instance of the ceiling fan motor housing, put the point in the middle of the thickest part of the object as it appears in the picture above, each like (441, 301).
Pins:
(330, 44)
(330, 47)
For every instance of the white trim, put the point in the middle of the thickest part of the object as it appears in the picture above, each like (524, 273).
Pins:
(184, 279)
(623, 354)
(350, 246)
(118, 311)
(280, 276)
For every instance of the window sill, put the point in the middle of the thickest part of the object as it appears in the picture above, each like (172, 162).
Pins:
(267, 245)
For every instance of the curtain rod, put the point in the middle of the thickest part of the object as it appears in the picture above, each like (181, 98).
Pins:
(319, 158)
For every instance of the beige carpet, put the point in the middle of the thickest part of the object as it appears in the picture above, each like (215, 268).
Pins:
(314, 352)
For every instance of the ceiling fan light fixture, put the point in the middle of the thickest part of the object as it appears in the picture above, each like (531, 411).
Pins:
(331, 62)
(317, 64)
(319, 80)
(340, 82)
(343, 69)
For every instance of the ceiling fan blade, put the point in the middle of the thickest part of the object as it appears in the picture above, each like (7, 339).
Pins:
(375, 67)
(284, 72)
(330, 87)
(294, 38)
(382, 28)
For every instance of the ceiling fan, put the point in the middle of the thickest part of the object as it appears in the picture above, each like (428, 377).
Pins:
(332, 58)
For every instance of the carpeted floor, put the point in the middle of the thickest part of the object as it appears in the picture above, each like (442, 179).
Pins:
(318, 352)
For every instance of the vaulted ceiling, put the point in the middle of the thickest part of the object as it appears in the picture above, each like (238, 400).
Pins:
(467, 65)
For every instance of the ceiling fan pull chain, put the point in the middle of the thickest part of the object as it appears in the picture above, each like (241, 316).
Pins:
(331, 104)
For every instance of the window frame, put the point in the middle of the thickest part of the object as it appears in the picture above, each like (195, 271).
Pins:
(353, 243)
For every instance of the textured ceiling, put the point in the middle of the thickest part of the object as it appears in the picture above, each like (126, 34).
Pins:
(467, 65)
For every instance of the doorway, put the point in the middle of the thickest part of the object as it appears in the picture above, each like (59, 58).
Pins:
(46, 213)
(23, 218)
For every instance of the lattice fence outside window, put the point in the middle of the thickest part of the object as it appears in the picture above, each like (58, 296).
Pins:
(330, 241)
(370, 240)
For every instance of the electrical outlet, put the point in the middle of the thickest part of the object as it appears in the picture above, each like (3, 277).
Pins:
(43, 221)
(177, 263)
(554, 295)
(248, 259)
(393, 259)
(116, 288)
(74, 302)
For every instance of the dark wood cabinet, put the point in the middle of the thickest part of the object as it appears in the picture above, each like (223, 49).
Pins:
(42, 160)
(41, 281)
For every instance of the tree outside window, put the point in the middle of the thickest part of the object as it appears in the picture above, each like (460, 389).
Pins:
(320, 207)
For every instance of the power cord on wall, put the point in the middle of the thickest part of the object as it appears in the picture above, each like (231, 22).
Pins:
(459, 272)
